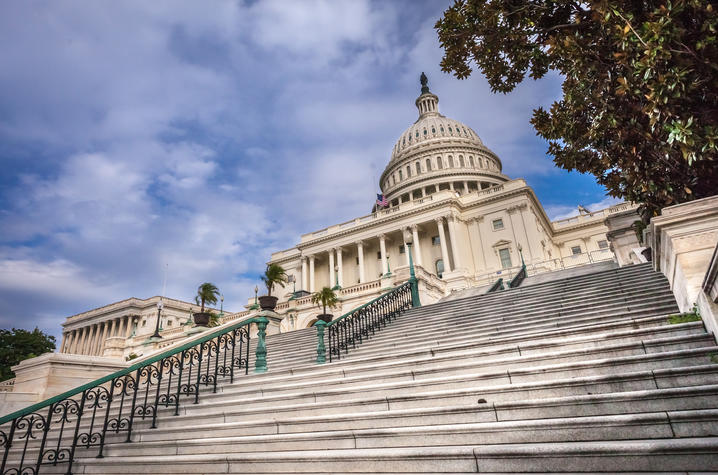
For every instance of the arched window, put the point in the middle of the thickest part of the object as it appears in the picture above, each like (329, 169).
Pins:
(408, 171)
(428, 164)
(471, 161)
(439, 163)
(451, 161)
(461, 161)
(400, 176)
(439, 268)
(418, 168)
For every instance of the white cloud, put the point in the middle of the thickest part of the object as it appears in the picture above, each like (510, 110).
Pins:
(143, 134)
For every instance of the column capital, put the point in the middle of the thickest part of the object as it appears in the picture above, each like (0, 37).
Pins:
(439, 220)
(311, 258)
(414, 227)
(360, 242)
(337, 249)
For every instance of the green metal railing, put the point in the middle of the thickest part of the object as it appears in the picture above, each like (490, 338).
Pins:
(85, 416)
(498, 285)
(352, 328)
(518, 278)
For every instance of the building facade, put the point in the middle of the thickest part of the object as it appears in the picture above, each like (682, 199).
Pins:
(470, 225)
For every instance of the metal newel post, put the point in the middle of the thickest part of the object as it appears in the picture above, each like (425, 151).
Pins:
(260, 356)
(321, 349)
(413, 281)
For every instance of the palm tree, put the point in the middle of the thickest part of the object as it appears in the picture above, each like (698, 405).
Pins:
(275, 274)
(206, 293)
(325, 298)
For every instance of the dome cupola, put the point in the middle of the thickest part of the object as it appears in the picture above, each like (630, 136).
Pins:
(438, 153)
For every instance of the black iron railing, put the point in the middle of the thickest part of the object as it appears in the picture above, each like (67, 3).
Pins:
(50, 432)
(352, 328)
(518, 278)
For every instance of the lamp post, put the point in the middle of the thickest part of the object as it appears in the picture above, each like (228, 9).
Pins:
(157, 325)
(336, 274)
(413, 281)
(521, 254)
(221, 305)
(255, 305)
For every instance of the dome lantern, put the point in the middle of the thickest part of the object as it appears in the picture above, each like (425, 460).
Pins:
(427, 103)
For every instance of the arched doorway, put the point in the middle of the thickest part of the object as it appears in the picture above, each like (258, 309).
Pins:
(312, 322)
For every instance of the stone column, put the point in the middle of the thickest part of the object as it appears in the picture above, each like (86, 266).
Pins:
(442, 242)
(417, 248)
(382, 248)
(121, 326)
(96, 340)
(360, 253)
(64, 340)
(112, 328)
(75, 340)
(311, 274)
(332, 280)
(87, 350)
(85, 337)
(128, 329)
(340, 267)
(105, 328)
(406, 248)
(466, 187)
(484, 260)
(305, 277)
(454, 244)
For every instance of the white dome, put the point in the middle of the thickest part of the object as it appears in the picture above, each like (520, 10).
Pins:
(434, 127)
(437, 153)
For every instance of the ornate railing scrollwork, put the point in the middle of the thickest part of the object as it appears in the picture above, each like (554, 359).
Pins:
(352, 328)
(50, 432)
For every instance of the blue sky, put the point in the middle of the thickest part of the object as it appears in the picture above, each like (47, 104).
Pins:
(202, 136)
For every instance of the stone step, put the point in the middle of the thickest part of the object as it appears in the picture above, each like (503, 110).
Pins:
(523, 343)
(673, 399)
(458, 362)
(487, 377)
(592, 395)
(688, 454)
(650, 425)
(527, 349)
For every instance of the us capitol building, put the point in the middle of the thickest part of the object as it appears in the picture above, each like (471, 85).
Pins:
(470, 225)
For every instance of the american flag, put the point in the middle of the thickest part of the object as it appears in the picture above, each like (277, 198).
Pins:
(381, 200)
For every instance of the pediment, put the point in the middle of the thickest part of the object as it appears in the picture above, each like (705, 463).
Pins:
(502, 242)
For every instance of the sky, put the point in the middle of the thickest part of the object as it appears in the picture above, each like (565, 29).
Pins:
(192, 139)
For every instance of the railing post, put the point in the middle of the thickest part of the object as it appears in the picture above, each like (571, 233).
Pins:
(260, 356)
(321, 349)
(413, 281)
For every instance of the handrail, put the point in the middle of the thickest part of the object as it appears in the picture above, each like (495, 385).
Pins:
(498, 285)
(354, 326)
(518, 278)
(139, 391)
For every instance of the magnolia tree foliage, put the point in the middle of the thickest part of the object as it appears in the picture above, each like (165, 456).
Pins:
(18, 344)
(640, 85)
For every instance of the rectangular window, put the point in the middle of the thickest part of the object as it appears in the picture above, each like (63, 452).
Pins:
(498, 224)
(505, 258)
(603, 244)
(357, 260)
(575, 250)
(401, 249)
(435, 241)
(378, 254)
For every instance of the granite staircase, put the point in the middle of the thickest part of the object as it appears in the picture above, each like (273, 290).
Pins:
(584, 374)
